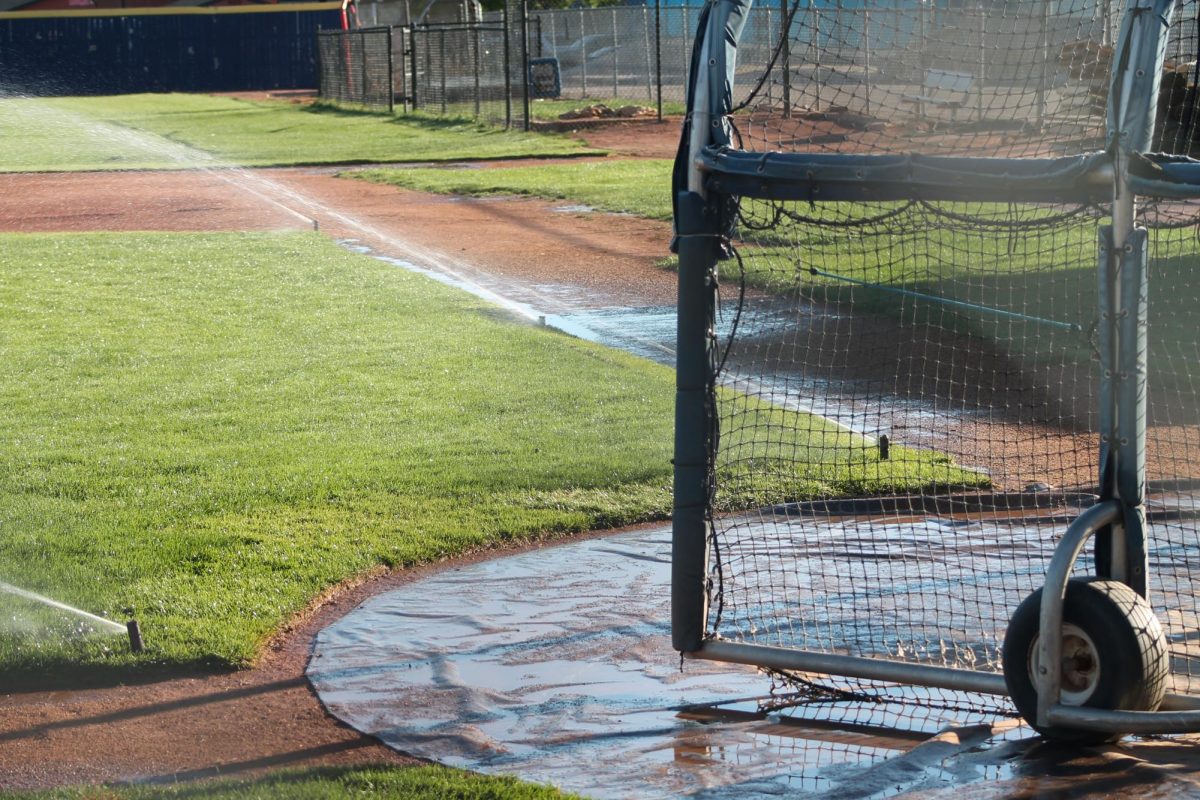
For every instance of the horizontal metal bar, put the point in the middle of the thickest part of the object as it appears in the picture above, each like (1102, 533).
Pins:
(1165, 176)
(782, 658)
(1143, 722)
(1180, 702)
(815, 176)
(933, 298)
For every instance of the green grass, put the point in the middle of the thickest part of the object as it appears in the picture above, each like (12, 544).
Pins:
(211, 429)
(127, 132)
(327, 783)
(633, 186)
(552, 109)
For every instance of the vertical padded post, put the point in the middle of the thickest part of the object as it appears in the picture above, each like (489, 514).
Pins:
(693, 423)
(1106, 345)
(1132, 405)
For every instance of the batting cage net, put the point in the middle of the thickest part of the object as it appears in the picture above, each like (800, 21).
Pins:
(939, 281)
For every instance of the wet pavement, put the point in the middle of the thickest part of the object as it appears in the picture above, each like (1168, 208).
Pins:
(555, 666)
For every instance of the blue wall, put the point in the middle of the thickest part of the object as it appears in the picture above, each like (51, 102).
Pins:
(156, 52)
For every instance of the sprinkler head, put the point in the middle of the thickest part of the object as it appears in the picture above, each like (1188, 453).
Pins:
(135, 636)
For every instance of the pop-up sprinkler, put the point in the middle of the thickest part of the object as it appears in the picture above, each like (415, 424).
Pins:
(135, 636)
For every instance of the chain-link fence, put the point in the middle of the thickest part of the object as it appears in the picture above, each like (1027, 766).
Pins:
(619, 55)
(356, 67)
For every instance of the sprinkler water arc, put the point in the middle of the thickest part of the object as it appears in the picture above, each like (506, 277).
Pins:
(131, 629)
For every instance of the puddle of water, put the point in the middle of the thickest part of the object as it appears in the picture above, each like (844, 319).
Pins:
(579, 208)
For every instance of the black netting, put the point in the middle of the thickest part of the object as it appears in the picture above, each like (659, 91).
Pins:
(356, 67)
(1173, 430)
(1009, 78)
(459, 69)
(911, 399)
(910, 389)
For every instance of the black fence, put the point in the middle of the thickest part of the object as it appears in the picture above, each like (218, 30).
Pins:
(160, 50)
(356, 67)
(498, 68)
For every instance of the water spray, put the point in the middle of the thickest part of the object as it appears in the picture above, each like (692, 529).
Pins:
(130, 628)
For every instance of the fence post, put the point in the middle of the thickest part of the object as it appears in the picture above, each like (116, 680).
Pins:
(646, 42)
(785, 56)
(922, 53)
(476, 47)
(412, 32)
(866, 42)
(1043, 77)
(816, 26)
(391, 73)
(507, 67)
(524, 79)
(686, 37)
(442, 53)
(658, 55)
(362, 53)
(982, 80)
(616, 89)
(583, 54)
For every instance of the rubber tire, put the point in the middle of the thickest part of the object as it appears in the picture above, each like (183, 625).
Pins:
(1134, 664)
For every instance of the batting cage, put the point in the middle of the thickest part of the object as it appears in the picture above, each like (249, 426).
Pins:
(939, 273)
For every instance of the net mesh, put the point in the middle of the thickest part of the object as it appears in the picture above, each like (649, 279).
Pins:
(356, 67)
(1008, 79)
(909, 390)
(459, 69)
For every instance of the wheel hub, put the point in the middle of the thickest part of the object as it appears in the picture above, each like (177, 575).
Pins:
(1080, 666)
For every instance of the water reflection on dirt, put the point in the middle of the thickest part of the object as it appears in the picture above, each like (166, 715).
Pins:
(649, 331)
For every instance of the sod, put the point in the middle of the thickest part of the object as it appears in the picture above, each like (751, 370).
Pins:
(101, 133)
(329, 783)
(545, 109)
(630, 186)
(209, 430)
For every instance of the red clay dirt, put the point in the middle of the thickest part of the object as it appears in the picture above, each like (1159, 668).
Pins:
(267, 717)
